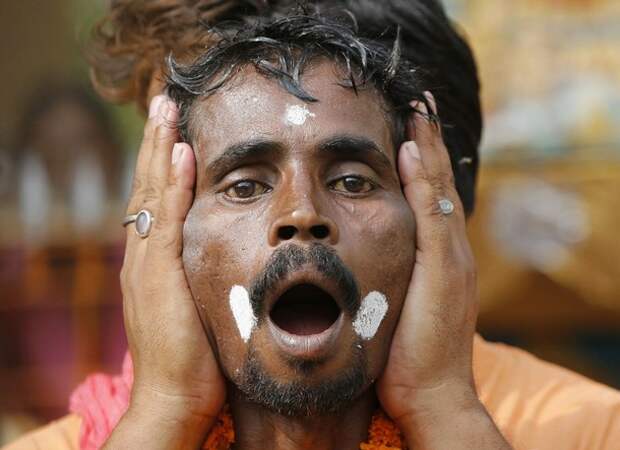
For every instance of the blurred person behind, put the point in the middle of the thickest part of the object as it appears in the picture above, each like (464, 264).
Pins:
(60, 182)
(66, 167)
(540, 371)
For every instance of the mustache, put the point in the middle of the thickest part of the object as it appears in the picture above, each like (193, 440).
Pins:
(290, 258)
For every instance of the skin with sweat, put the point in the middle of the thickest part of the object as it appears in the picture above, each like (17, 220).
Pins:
(295, 180)
(427, 386)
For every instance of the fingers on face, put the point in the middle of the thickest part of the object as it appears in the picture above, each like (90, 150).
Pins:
(164, 139)
(167, 172)
(176, 201)
(427, 177)
(139, 186)
(429, 137)
(153, 162)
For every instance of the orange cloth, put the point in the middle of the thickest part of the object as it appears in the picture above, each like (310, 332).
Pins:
(536, 405)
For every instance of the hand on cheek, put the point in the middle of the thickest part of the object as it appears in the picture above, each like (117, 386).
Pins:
(429, 365)
(178, 389)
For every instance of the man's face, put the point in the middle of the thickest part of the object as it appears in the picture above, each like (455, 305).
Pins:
(299, 245)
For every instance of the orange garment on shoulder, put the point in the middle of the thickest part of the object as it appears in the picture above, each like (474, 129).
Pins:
(536, 405)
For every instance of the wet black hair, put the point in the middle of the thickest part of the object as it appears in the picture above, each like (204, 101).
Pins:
(400, 48)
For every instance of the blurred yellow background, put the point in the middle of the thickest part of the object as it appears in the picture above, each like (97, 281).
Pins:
(544, 232)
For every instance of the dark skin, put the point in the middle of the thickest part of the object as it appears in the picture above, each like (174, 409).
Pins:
(421, 354)
(338, 170)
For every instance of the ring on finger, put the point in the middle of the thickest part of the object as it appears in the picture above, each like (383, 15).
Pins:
(446, 206)
(143, 221)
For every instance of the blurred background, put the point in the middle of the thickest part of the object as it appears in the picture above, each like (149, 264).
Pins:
(545, 231)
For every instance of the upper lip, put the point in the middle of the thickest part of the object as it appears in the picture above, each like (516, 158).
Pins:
(304, 276)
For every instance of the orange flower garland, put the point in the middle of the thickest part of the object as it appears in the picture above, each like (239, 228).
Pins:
(383, 434)
(222, 435)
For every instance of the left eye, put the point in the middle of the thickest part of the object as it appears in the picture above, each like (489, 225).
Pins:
(246, 189)
(352, 185)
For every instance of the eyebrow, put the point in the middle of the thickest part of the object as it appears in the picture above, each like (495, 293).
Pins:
(343, 146)
(239, 153)
(348, 146)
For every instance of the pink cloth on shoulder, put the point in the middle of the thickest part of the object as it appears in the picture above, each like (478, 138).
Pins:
(101, 401)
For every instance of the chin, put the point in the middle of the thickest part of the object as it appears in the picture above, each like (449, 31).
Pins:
(304, 358)
(312, 346)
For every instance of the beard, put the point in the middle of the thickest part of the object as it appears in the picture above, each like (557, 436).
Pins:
(304, 398)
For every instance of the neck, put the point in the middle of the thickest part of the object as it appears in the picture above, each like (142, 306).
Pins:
(258, 428)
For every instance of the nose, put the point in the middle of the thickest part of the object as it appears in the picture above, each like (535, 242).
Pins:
(304, 223)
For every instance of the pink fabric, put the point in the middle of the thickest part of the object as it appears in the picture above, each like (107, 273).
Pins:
(101, 401)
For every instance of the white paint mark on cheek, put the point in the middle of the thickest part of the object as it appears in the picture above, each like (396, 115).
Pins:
(297, 115)
(242, 311)
(370, 315)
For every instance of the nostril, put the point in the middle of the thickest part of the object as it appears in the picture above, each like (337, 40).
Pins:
(319, 231)
(287, 232)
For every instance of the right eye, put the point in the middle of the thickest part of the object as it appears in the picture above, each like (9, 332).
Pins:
(246, 189)
(353, 184)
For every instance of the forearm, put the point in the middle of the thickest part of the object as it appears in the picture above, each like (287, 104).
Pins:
(161, 426)
(460, 422)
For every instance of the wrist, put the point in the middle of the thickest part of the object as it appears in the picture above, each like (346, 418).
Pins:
(159, 420)
(456, 419)
(156, 428)
(436, 410)
(172, 408)
(203, 403)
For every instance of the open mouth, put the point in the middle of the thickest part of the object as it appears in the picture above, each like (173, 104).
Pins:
(305, 310)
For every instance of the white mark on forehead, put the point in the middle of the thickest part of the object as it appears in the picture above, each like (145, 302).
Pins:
(242, 311)
(297, 114)
(370, 315)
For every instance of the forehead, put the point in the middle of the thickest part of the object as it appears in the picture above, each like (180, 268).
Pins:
(251, 106)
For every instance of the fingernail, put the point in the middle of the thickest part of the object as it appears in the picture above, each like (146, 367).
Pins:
(155, 105)
(422, 109)
(177, 152)
(413, 149)
(170, 111)
(431, 100)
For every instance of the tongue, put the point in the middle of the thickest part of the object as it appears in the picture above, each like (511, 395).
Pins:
(305, 309)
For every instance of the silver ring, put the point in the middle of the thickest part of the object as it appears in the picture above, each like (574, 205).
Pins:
(143, 222)
(446, 206)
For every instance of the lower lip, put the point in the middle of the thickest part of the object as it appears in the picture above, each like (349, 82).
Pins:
(310, 346)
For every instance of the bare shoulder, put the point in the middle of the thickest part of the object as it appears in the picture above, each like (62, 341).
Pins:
(542, 406)
(62, 434)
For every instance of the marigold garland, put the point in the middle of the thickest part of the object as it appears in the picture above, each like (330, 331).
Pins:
(222, 435)
(383, 434)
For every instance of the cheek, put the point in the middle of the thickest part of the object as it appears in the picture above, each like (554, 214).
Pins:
(216, 255)
(383, 263)
(218, 249)
(385, 250)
